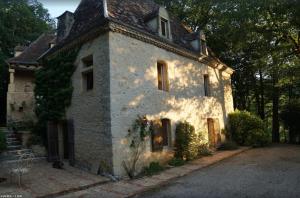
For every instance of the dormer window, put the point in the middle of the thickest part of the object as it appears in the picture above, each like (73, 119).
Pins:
(165, 28)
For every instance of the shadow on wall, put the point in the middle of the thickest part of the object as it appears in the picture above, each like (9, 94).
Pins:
(138, 87)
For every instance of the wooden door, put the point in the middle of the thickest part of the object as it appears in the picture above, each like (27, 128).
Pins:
(211, 132)
(71, 142)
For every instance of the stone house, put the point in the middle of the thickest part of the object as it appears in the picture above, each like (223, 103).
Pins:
(20, 95)
(135, 59)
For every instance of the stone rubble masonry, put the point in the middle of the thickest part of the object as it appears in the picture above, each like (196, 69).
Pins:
(90, 110)
(133, 91)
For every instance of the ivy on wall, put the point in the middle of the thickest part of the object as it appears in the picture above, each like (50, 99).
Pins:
(53, 90)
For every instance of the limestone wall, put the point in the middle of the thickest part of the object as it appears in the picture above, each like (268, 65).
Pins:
(90, 110)
(134, 91)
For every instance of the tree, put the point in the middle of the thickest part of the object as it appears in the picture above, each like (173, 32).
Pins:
(21, 22)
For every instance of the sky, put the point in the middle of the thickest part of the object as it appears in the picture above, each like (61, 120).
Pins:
(57, 7)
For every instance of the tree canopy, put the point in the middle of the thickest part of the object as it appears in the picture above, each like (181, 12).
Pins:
(21, 22)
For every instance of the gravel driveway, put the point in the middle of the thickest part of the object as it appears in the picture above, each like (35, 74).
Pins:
(264, 172)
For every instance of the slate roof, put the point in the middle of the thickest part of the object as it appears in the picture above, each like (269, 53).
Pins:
(34, 50)
(134, 13)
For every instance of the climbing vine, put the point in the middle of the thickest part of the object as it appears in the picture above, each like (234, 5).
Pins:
(137, 136)
(53, 90)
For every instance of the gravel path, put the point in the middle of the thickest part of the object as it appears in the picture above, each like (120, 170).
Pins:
(264, 172)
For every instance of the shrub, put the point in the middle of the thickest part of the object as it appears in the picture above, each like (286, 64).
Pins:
(34, 140)
(152, 169)
(228, 145)
(203, 150)
(247, 129)
(176, 162)
(187, 141)
(2, 141)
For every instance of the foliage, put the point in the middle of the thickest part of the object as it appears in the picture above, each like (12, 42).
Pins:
(152, 169)
(53, 90)
(187, 141)
(176, 162)
(2, 141)
(228, 145)
(34, 140)
(247, 129)
(290, 117)
(203, 150)
(21, 22)
(141, 129)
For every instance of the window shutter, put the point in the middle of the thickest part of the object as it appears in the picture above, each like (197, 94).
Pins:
(166, 128)
(157, 136)
(166, 78)
(159, 76)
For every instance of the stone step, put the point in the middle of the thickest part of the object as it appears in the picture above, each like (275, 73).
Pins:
(11, 135)
(11, 139)
(20, 151)
(14, 147)
(13, 143)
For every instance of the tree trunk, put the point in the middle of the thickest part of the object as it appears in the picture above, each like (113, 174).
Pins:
(262, 96)
(275, 116)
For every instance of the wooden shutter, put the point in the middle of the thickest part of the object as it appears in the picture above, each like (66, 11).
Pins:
(211, 132)
(217, 132)
(166, 78)
(166, 129)
(71, 142)
(52, 133)
(159, 76)
(157, 136)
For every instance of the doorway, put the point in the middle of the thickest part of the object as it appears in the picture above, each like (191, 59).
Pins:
(61, 141)
(214, 136)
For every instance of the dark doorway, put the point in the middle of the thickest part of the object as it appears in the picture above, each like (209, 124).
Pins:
(61, 141)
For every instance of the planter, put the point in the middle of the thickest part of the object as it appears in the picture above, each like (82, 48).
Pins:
(39, 151)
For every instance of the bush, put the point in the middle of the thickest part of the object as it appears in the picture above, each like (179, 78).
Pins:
(2, 141)
(176, 162)
(187, 141)
(34, 140)
(152, 169)
(203, 150)
(247, 129)
(228, 146)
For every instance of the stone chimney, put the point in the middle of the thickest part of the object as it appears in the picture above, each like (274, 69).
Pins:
(65, 23)
(203, 45)
(19, 50)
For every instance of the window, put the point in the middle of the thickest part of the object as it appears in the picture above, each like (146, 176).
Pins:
(88, 61)
(162, 76)
(161, 136)
(203, 47)
(87, 73)
(164, 28)
(206, 85)
(88, 79)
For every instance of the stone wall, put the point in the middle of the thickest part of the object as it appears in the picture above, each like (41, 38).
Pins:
(90, 110)
(134, 91)
(20, 96)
